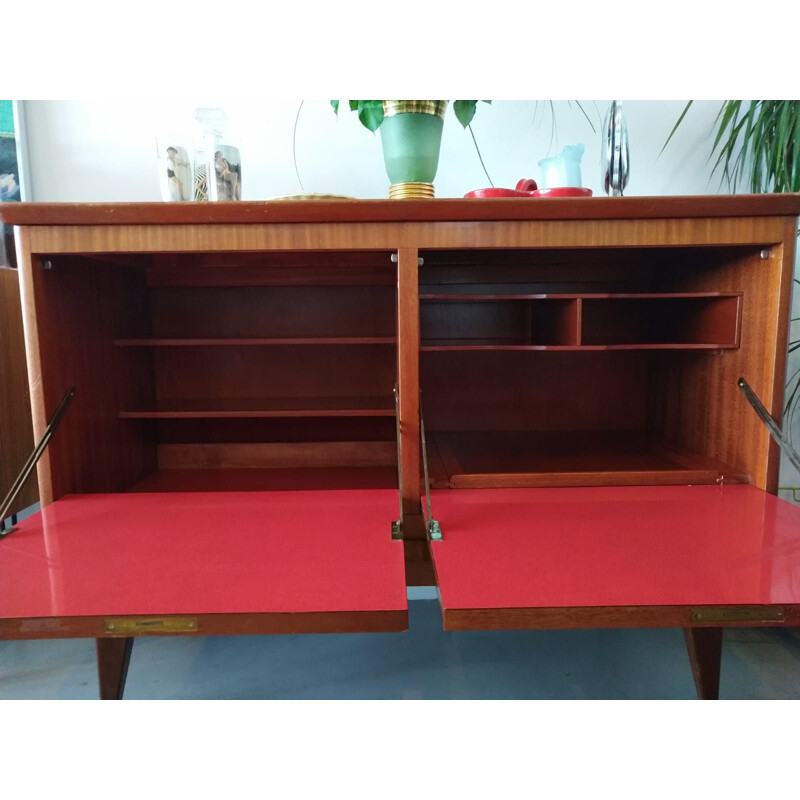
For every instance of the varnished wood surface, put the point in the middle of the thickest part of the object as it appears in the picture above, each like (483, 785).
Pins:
(473, 619)
(266, 407)
(704, 646)
(277, 454)
(16, 431)
(442, 209)
(217, 625)
(76, 311)
(229, 478)
(113, 659)
(380, 236)
(696, 402)
(518, 459)
(408, 376)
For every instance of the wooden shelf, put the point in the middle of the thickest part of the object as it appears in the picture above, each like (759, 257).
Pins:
(256, 408)
(258, 342)
(268, 479)
(520, 459)
(686, 320)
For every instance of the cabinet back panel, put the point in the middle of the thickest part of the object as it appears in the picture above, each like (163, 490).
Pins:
(547, 391)
(273, 311)
(307, 429)
(275, 372)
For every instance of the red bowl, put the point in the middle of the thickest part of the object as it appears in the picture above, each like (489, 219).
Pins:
(497, 193)
(563, 191)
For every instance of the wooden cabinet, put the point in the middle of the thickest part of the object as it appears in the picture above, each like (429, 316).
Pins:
(16, 438)
(245, 451)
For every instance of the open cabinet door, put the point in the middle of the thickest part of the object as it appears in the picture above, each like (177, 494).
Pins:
(226, 562)
(616, 557)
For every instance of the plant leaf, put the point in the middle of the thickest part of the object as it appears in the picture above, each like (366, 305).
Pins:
(577, 103)
(335, 107)
(370, 112)
(677, 125)
(465, 111)
(294, 143)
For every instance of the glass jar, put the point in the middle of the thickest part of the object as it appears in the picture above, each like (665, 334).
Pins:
(220, 177)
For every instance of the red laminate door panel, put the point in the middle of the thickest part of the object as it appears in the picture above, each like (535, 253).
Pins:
(615, 546)
(205, 553)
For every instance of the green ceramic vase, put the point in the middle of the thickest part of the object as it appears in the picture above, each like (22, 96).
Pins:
(411, 135)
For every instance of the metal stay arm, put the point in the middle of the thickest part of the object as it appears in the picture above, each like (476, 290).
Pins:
(433, 527)
(34, 458)
(772, 426)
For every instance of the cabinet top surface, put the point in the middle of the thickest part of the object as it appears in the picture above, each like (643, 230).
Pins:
(436, 210)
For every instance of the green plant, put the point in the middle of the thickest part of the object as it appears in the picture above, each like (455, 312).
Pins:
(758, 143)
(370, 112)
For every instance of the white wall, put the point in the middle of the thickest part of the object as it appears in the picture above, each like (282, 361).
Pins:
(94, 151)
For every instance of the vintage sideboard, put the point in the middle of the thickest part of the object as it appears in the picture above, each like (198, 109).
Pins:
(287, 412)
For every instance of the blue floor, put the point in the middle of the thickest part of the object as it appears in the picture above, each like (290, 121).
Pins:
(424, 663)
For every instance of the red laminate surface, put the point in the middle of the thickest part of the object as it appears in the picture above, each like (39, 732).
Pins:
(204, 553)
(616, 546)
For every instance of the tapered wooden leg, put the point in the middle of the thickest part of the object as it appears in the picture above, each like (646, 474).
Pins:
(113, 657)
(705, 653)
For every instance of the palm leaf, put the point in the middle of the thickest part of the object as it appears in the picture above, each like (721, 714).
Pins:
(677, 125)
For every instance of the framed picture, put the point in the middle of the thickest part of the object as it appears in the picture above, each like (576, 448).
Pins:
(14, 183)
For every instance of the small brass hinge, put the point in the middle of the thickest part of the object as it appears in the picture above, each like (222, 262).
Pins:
(157, 625)
(738, 614)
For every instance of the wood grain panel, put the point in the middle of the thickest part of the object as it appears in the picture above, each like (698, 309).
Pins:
(294, 268)
(408, 376)
(80, 307)
(697, 403)
(16, 430)
(113, 659)
(31, 275)
(556, 390)
(704, 646)
(421, 235)
(273, 312)
(268, 479)
(408, 210)
(471, 619)
(284, 454)
(217, 625)
(303, 374)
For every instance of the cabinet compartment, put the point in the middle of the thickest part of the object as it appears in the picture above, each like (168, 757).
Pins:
(229, 364)
(450, 322)
(643, 394)
(701, 321)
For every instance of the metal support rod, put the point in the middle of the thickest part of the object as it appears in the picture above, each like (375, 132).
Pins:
(34, 457)
(397, 527)
(772, 426)
(434, 529)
